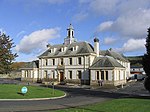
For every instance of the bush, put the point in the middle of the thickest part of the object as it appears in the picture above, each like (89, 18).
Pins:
(147, 83)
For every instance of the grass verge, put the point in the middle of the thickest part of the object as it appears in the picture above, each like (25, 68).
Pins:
(117, 105)
(10, 91)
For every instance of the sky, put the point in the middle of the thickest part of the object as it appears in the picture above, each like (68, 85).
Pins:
(32, 24)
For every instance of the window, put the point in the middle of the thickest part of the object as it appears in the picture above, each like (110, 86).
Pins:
(71, 49)
(69, 33)
(79, 61)
(72, 33)
(70, 61)
(26, 74)
(63, 49)
(124, 74)
(53, 61)
(102, 75)
(106, 75)
(61, 61)
(46, 62)
(79, 74)
(119, 75)
(53, 74)
(45, 74)
(97, 73)
(52, 50)
(70, 74)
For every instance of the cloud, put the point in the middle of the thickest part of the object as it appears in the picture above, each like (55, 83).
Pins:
(131, 25)
(132, 45)
(132, 5)
(80, 16)
(37, 40)
(111, 7)
(109, 40)
(105, 7)
(127, 18)
(104, 26)
(20, 33)
(56, 1)
(84, 1)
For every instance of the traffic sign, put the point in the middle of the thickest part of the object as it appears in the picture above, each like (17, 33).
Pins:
(24, 90)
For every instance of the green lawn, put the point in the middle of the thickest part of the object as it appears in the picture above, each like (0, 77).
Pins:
(117, 105)
(8, 91)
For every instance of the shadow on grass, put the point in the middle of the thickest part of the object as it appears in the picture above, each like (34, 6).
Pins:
(20, 93)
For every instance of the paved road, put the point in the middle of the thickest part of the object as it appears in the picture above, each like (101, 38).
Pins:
(75, 97)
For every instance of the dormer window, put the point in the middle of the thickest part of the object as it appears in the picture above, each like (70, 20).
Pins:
(52, 50)
(71, 49)
(74, 48)
(63, 49)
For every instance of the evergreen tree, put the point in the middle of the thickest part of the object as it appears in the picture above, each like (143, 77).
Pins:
(146, 62)
(6, 55)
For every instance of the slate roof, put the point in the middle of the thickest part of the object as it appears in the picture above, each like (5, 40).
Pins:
(105, 61)
(31, 65)
(113, 54)
(83, 48)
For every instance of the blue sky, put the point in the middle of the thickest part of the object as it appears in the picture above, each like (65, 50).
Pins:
(32, 24)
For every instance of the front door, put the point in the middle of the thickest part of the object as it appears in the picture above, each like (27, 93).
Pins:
(61, 76)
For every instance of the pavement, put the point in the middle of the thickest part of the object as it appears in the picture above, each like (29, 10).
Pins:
(134, 88)
(76, 96)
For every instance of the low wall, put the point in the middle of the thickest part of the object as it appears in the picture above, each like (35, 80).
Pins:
(107, 83)
(73, 81)
(29, 79)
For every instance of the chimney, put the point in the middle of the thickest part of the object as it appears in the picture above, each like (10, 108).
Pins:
(96, 46)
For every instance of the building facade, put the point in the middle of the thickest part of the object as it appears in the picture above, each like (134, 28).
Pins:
(30, 71)
(81, 63)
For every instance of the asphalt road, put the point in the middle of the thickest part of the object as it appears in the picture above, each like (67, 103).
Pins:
(75, 97)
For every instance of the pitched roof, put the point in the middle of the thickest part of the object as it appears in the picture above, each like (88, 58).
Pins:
(83, 48)
(105, 61)
(114, 55)
(31, 65)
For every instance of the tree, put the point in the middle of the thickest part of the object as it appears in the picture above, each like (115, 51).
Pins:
(146, 62)
(17, 65)
(6, 55)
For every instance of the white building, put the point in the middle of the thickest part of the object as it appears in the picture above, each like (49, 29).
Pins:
(30, 71)
(80, 62)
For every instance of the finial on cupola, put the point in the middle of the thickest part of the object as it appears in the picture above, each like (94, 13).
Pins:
(96, 39)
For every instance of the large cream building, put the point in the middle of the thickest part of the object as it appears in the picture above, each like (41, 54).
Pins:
(80, 63)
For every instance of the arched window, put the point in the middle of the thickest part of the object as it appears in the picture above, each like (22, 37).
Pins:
(69, 33)
(72, 33)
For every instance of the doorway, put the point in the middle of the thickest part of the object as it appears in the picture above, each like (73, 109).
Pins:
(61, 76)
